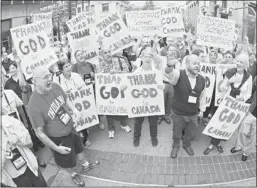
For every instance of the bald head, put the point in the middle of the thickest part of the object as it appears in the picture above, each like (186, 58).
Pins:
(193, 64)
(42, 79)
(39, 72)
(191, 58)
(244, 59)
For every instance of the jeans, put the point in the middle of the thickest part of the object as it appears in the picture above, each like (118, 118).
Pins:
(152, 124)
(110, 121)
(168, 97)
(186, 123)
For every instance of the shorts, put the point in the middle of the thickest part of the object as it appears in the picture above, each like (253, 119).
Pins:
(72, 141)
(28, 179)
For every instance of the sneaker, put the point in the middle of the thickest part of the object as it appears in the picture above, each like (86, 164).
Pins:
(174, 153)
(111, 134)
(126, 128)
(101, 126)
(244, 157)
(159, 121)
(189, 150)
(154, 141)
(88, 143)
(41, 163)
(77, 180)
(167, 119)
(136, 142)
(87, 166)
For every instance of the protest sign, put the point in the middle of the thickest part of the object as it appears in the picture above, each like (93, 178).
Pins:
(226, 119)
(172, 22)
(110, 99)
(84, 40)
(147, 22)
(220, 70)
(84, 101)
(113, 33)
(208, 71)
(144, 96)
(32, 46)
(47, 17)
(81, 21)
(215, 32)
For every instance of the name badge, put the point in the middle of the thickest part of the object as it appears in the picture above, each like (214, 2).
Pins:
(63, 116)
(192, 99)
(17, 160)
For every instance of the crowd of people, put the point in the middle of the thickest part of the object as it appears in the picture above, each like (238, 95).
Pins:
(36, 111)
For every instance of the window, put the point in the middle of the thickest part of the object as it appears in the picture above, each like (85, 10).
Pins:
(105, 7)
(224, 4)
(79, 10)
(93, 8)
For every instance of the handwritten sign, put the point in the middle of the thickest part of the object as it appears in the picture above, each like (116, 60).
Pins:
(114, 33)
(172, 22)
(110, 99)
(147, 22)
(81, 21)
(84, 40)
(32, 46)
(215, 32)
(144, 98)
(220, 70)
(84, 101)
(226, 119)
(209, 72)
(47, 17)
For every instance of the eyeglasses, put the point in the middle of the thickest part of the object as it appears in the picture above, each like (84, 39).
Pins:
(46, 77)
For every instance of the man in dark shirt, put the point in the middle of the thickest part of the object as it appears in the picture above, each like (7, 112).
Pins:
(6, 62)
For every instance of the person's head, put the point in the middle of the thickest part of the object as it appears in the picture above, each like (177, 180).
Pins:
(252, 59)
(229, 57)
(179, 40)
(64, 67)
(106, 54)
(5, 56)
(63, 57)
(146, 55)
(170, 41)
(79, 56)
(213, 56)
(172, 52)
(145, 41)
(42, 79)
(3, 49)
(242, 62)
(190, 42)
(200, 53)
(13, 69)
(193, 64)
(57, 51)
(239, 47)
(222, 50)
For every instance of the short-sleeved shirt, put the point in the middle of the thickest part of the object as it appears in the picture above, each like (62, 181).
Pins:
(10, 103)
(42, 110)
(14, 85)
(85, 70)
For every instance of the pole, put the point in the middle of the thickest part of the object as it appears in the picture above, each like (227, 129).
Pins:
(245, 20)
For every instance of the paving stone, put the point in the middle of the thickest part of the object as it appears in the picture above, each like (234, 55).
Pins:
(226, 176)
(234, 168)
(251, 172)
(161, 179)
(214, 178)
(142, 168)
(237, 175)
(112, 156)
(119, 158)
(49, 171)
(187, 169)
(168, 169)
(234, 158)
(220, 159)
(136, 168)
(175, 180)
(149, 169)
(127, 176)
(155, 169)
(242, 174)
(140, 178)
(168, 161)
(209, 160)
(119, 176)
(220, 178)
(162, 160)
(130, 168)
(217, 168)
(154, 179)
(193, 169)
(147, 179)
(243, 164)
(186, 160)
(201, 179)
(174, 169)
(192, 160)
(223, 168)
(123, 167)
(215, 159)
(181, 180)
(253, 164)
(174, 161)
(116, 166)
(156, 160)
(180, 161)
(150, 160)
(228, 166)
(198, 160)
(109, 165)
(132, 158)
(133, 178)
(144, 159)
(231, 176)
(161, 169)
(208, 178)
(199, 169)
(138, 159)
(188, 179)
(212, 169)
(125, 158)
(168, 180)
(204, 159)
(231, 158)
(248, 164)
(93, 172)
(226, 159)
(206, 169)
(181, 169)
(239, 166)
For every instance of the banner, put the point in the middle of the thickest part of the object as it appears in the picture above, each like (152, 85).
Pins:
(172, 22)
(220, 70)
(32, 46)
(215, 32)
(110, 99)
(47, 17)
(114, 33)
(208, 71)
(84, 40)
(84, 101)
(147, 22)
(226, 119)
(81, 21)
(144, 98)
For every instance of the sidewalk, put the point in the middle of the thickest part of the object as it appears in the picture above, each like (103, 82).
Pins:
(123, 163)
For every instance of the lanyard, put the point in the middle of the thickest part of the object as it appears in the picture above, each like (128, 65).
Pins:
(46, 100)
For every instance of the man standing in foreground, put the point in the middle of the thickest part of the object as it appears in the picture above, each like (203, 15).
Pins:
(189, 89)
(50, 115)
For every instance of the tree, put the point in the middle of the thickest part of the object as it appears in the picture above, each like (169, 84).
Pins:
(148, 5)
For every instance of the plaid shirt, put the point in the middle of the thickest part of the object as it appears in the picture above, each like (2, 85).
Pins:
(118, 65)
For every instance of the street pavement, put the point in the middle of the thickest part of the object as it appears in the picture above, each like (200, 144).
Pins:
(126, 165)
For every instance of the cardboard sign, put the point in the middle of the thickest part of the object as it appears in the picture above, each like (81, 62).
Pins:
(81, 21)
(32, 46)
(147, 22)
(84, 101)
(110, 99)
(208, 71)
(226, 119)
(172, 22)
(84, 40)
(215, 32)
(220, 70)
(144, 98)
(47, 17)
(114, 33)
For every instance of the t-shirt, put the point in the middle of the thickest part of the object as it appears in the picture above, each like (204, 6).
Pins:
(42, 110)
(85, 70)
(6, 65)
(14, 85)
